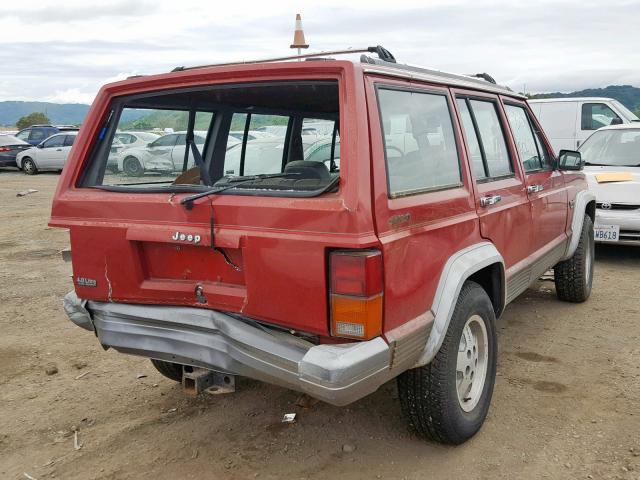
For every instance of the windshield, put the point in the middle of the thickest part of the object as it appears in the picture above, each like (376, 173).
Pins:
(614, 147)
(626, 113)
(201, 138)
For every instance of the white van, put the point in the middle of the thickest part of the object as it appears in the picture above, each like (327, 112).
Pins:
(569, 121)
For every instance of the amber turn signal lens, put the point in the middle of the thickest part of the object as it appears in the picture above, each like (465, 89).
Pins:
(354, 317)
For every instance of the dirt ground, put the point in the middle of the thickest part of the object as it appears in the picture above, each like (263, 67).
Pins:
(566, 402)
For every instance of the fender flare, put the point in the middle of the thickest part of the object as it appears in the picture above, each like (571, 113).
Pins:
(456, 271)
(583, 198)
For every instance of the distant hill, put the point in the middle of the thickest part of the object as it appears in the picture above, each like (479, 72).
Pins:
(74, 113)
(626, 94)
(58, 113)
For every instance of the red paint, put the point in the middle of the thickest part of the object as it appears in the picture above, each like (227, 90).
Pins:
(282, 245)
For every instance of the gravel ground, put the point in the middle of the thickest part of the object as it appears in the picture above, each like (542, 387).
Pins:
(566, 402)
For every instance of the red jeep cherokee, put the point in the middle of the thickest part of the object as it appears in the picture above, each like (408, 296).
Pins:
(331, 225)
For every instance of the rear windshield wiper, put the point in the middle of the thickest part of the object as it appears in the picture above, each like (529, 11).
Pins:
(233, 183)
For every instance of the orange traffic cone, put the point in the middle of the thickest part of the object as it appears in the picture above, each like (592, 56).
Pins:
(298, 37)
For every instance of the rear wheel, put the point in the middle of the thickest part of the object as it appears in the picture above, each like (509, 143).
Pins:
(448, 399)
(172, 371)
(132, 167)
(574, 277)
(29, 166)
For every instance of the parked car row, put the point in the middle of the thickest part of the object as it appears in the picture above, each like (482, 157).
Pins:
(607, 135)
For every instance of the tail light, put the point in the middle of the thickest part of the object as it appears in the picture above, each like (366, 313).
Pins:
(356, 293)
(4, 149)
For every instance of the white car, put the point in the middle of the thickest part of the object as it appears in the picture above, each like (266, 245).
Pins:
(164, 154)
(51, 154)
(612, 165)
(126, 140)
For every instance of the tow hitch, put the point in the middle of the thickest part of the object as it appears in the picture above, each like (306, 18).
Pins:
(196, 380)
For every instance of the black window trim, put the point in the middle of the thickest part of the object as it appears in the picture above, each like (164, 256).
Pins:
(452, 116)
(496, 103)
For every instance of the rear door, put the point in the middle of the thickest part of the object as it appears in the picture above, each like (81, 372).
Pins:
(501, 199)
(545, 185)
(66, 149)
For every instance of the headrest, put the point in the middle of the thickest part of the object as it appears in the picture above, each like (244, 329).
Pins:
(308, 170)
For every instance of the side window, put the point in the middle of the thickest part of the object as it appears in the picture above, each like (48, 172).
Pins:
(472, 140)
(166, 141)
(23, 135)
(37, 135)
(523, 136)
(321, 140)
(597, 115)
(57, 141)
(69, 139)
(419, 141)
(263, 153)
(490, 136)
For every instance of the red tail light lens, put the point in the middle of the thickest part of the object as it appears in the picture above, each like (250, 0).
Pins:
(4, 149)
(356, 273)
(356, 294)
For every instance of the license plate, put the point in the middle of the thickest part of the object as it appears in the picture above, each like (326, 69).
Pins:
(607, 233)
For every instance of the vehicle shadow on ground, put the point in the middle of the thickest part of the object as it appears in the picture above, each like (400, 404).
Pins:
(626, 254)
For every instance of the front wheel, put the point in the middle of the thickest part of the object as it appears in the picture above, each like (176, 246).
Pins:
(574, 277)
(29, 166)
(448, 399)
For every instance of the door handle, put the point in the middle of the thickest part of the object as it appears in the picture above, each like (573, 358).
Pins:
(489, 200)
(58, 149)
(535, 188)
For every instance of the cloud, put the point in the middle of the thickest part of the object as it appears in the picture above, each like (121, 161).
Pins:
(67, 49)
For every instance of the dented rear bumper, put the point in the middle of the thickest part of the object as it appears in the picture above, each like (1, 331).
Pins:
(337, 374)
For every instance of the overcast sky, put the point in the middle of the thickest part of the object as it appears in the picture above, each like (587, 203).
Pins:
(64, 50)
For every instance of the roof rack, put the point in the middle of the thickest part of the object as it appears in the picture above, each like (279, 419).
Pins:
(382, 53)
(386, 64)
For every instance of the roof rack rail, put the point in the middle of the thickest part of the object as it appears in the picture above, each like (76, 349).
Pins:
(484, 76)
(382, 53)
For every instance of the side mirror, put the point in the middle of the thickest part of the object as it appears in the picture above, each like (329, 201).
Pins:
(40, 145)
(569, 160)
(150, 144)
(616, 121)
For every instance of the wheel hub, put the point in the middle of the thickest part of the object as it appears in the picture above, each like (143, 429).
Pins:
(472, 362)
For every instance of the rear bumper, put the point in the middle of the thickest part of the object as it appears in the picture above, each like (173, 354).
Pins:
(337, 374)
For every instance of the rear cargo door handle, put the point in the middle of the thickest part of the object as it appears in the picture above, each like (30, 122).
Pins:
(535, 188)
(490, 200)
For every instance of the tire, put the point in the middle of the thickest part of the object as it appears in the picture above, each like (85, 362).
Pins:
(429, 395)
(574, 277)
(132, 167)
(172, 371)
(29, 166)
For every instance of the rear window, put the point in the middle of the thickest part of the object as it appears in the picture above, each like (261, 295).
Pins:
(250, 138)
